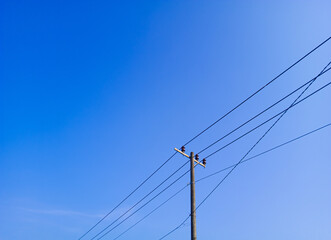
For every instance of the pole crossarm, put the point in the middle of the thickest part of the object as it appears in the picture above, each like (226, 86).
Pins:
(196, 161)
(184, 154)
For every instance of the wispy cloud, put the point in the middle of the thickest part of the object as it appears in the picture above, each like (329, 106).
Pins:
(58, 212)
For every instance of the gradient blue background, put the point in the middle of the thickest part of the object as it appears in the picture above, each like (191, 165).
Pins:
(95, 94)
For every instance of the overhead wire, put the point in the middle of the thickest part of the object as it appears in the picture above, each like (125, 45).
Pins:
(139, 186)
(142, 206)
(260, 89)
(259, 114)
(200, 133)
(268, 120)
(264, 152)
(222, 170)
(259, 140)
(217, 172)
(284, 111)
(143, 198)
(155, 209)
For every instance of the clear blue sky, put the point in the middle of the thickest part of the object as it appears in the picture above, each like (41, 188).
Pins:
(94, 95)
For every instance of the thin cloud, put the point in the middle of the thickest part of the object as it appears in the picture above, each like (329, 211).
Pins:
(57, 212)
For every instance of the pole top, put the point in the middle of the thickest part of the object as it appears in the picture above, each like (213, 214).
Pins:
(195, 158)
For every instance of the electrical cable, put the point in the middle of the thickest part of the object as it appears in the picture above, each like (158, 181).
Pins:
(259, 140)
(141, 201)
(268, 120)
(264, 152)
(175, 194)
(259, 114)
(295, 102)
(248, 159)
(141, 207)
(309, 82)
(224, 169)
(139, 186)
(252, 95)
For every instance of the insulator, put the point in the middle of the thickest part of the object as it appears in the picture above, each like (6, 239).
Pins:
(204, 161)
(196, 157)
(182, 148)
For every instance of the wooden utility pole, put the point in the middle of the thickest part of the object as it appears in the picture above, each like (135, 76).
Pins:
(193, 215)
(194, 160)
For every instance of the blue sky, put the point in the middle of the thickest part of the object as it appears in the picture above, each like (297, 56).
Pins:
(94, 95)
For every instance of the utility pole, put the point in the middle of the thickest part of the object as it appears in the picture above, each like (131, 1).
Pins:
(194, 161)
(193, 215)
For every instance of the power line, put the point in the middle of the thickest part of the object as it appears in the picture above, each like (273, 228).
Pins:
(281, 113)
(222, 170)
(176, 228)
(232, 169)
(292, 105)
(259, 140)
(140, 185)
(172, 196)
(275, 78)
(268, 120)
(140, 202)
(264, 152)
(257, 115)
(140, 207)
